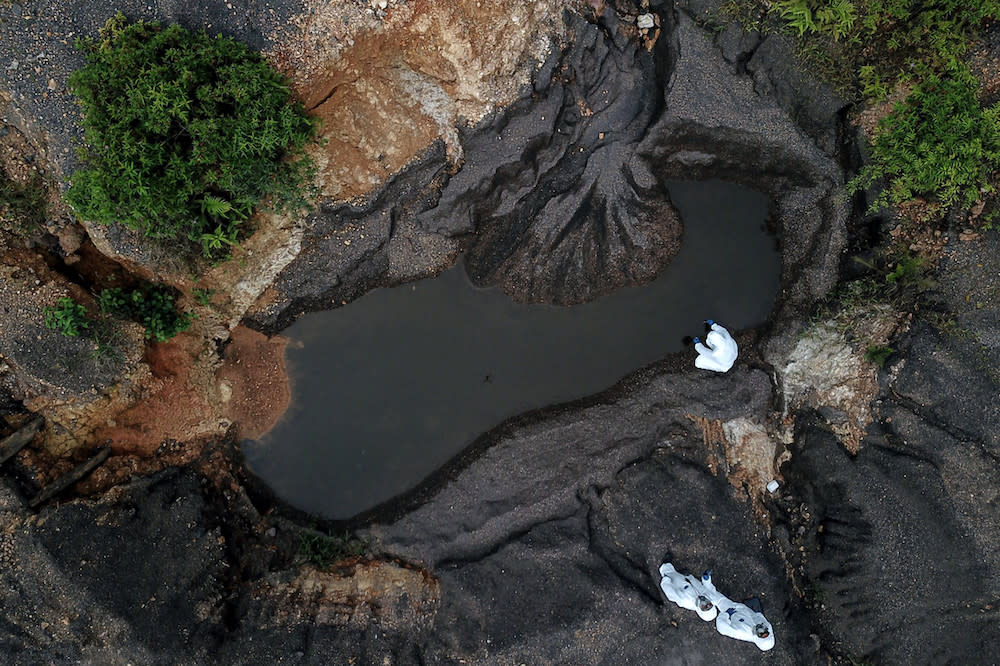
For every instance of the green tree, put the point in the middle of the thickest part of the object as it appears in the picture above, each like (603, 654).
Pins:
(185, 134)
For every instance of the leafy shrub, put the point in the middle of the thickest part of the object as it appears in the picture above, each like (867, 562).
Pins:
(832, 17)
(203, 296)
(930, 31)
(185, 134)
(938, 143)
(934, 31)
(67, 316)
(864, 48)
(908, 269)
(153, 307)
(873, 84)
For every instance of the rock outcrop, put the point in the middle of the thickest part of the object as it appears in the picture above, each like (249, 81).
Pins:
(68, 378)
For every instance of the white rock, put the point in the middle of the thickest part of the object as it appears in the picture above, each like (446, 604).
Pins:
(645, 21)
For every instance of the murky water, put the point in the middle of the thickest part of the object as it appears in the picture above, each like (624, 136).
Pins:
(390, 387)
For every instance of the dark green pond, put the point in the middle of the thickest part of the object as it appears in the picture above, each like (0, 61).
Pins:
(390, 387)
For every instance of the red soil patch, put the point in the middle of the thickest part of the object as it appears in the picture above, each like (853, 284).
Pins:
(254, 370)
(386, 85)
(173, 406)
(190, 397)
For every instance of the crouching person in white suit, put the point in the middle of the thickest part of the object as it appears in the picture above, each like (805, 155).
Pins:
(737, 620)
(720, 351)
(687, 592)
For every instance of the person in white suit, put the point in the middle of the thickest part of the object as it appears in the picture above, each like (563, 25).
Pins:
(687, 592)
(719, 351)
(737, 620)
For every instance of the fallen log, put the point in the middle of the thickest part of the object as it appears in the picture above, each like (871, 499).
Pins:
(9, 446)
(70, 477)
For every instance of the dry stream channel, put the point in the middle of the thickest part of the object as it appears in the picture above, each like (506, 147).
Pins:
(391, 387)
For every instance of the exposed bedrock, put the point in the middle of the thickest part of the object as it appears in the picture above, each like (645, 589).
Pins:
(561, 197)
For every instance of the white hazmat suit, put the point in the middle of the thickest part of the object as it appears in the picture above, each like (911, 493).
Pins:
(687, 592)
(737, 620)
(719, 351)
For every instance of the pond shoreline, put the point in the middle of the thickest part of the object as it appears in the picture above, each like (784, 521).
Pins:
(398, 380)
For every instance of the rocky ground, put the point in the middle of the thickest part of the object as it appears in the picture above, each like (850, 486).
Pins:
(540, 544)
